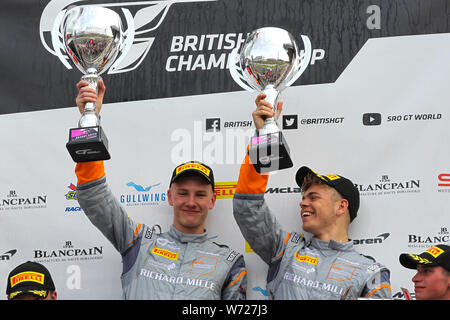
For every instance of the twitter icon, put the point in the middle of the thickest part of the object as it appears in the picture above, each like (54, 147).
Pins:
(290, 121)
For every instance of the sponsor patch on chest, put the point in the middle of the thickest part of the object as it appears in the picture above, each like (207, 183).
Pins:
(306, 258)
(165, 253)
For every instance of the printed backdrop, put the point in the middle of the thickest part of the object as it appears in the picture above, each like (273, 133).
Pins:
(372, 105)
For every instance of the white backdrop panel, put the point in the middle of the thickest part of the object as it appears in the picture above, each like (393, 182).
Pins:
(405, 77)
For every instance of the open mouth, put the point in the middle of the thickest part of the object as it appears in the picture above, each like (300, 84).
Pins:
(306, 213)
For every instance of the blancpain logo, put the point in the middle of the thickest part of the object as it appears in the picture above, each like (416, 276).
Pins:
(139, 36)
(69, 252)
(387, 186)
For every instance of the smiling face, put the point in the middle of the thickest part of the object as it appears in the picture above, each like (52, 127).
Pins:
(317, 208)
(324, 213)
(431, 283)
(191, 197)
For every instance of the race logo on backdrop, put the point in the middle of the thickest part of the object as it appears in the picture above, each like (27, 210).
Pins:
(72, 195)
(139, 29)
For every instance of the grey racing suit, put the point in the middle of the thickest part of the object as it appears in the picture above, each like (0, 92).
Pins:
(301, 269)
(171, 265)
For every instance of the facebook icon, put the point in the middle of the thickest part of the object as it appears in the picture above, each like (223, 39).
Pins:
(213, 125)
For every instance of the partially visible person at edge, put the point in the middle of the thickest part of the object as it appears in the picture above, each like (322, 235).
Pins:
(30, 281)
(181, 263)
(324, 267)
(432, 279)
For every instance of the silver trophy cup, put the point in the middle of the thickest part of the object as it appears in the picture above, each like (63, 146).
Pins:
(269, 61)
(93, 37)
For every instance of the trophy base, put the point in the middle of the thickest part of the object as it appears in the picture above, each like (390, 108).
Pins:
(88, 144)
(269, 152)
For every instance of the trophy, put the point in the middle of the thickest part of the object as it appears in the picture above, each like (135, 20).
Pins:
(93, 37)
(269, 61)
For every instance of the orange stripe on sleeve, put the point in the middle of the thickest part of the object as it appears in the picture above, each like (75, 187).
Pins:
(89, 171)
(237, 279)
(287, 238)
(279, 255)
(250, 181)
(285, 241)
(136, 232)
(379, 288)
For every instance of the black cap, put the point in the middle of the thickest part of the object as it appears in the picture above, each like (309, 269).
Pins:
(194, 167)
(344, 186)
(29, 277)
(435, 256)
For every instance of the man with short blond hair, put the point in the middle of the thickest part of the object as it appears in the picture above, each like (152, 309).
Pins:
(182, 263)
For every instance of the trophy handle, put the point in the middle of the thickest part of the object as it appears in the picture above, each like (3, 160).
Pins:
(125, 46)
(302, 61)
(236, 71)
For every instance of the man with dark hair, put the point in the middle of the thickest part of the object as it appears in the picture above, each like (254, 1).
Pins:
(325, 267)
(432, 280)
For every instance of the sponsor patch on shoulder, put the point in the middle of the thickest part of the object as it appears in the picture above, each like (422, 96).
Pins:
(233, 254)
(374, 267)
(295, 237)
(149, 233)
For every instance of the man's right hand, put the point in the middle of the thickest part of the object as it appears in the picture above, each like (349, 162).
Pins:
(264, 110)
(86, 94)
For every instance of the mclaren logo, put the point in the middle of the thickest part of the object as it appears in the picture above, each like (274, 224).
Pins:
(376, 240)
(8, 255)
(139, 29)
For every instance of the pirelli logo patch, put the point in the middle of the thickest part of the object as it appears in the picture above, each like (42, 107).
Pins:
(307, 259)
(331, 177)
(195, 166)
(225, 190)
(27, 276)
(435, 251)
(165, 253)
